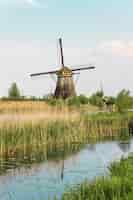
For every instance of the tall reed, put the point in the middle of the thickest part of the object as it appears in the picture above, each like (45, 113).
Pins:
(30, 136)
(30, 126)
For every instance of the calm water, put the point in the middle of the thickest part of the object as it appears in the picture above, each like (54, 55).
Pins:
(49, 178)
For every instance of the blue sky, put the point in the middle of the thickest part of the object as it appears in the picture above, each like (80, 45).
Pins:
(95, 32)
(72, 18)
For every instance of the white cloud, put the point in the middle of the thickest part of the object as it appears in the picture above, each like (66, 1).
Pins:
(33, 3)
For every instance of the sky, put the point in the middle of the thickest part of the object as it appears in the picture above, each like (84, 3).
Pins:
(98, 33)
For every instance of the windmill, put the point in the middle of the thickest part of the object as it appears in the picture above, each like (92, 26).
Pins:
(65, 85)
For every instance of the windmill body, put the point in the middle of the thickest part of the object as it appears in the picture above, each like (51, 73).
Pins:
(65, 85)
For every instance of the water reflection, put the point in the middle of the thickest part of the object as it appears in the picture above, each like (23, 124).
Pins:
(125, 145)
(92, 147)
(46, 175)
(29, 159)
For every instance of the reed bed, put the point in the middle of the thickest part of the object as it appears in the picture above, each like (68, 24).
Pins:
(23, 106)
(31, 126)
(32, 135)
(117, 186)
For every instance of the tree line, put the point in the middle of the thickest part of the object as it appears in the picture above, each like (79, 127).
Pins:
(122, 101)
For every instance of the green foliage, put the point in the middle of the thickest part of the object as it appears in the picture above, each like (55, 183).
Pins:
(119, 186)
(100, 93)
(83, 99)
(109, 100)
(14, 92)
(124, 101)
(97, 99)
(55, 102)
(77, 100)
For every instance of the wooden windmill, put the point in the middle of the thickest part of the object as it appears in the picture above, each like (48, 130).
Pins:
(65, 86)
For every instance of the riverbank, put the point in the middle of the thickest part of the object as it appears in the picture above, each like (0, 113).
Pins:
(117, 186)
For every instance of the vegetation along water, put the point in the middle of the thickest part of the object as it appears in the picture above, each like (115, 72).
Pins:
(118, 185)
(29, 131)
(47, 145)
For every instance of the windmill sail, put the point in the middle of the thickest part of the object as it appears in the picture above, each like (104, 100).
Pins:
(83, 68)
(44, 73)
(65, 86)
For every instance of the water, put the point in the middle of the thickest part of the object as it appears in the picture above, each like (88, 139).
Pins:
(38, 181)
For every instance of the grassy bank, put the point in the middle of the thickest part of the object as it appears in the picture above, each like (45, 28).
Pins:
(118, 186)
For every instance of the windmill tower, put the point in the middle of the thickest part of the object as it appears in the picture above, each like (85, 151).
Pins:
(65, 85)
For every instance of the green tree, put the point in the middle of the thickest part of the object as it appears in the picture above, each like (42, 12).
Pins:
(97, 99)
(123, 100)
(83, 99)
(14, 92)
(100, 93)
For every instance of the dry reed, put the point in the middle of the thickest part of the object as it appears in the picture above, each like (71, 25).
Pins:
(33, 126)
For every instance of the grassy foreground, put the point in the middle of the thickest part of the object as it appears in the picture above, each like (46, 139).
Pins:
(118, 186)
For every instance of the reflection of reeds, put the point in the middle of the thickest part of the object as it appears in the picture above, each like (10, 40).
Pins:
(36, 157)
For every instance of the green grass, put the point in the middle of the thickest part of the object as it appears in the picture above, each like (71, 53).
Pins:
(117, 186)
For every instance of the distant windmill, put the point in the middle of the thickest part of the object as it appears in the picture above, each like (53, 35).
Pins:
(65, 86)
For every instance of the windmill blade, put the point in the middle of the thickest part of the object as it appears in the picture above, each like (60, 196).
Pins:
(44, 73)
(83, 68)
(76, 73)
(81, 65)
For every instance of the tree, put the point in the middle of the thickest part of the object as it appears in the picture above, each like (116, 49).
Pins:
(83, 99)
(97, 99)
(124, 100)
(14, 92)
